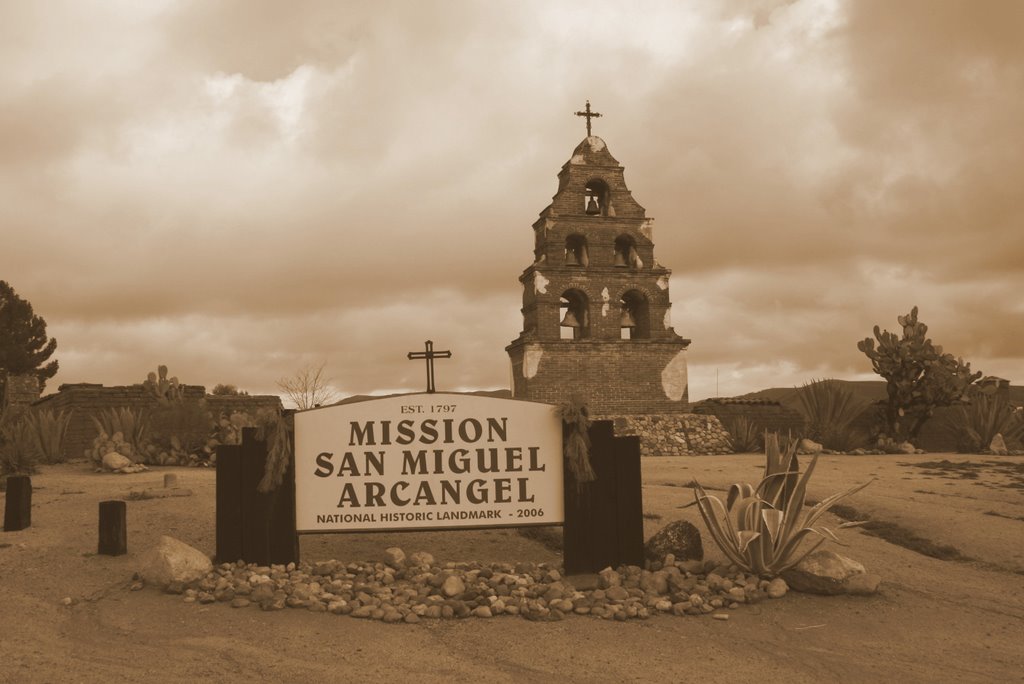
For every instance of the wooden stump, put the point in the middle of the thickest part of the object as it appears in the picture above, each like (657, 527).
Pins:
(18, 507)
(113, 528)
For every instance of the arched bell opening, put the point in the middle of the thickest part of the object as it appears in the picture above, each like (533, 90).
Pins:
(634, 316)
(595, 200)
(575, 323)
(625, 253)
(576, 251)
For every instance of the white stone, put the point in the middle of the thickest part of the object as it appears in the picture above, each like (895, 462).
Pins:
(422, 558)
(531, 360)
(540, 283)
(115, 461)
(394, 557)
(453, 586)
(674, 378)
(777, 588)
(173, 561)
(822, 572)
(998, 445)
(809, 446)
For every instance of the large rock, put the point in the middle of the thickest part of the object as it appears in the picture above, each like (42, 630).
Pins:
(174, 561)
(808, 446)
(394, 557)
(453, 586)
(826, 572)
(679, 538)
(421, 558)
(115, 461)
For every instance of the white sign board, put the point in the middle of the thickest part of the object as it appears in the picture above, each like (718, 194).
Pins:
(427, 461)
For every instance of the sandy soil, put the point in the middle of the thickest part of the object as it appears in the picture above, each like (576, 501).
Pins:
(933, 621)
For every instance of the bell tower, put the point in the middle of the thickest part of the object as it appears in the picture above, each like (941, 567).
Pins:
(596, 307)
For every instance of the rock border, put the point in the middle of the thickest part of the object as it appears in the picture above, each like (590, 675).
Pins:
(414, 589)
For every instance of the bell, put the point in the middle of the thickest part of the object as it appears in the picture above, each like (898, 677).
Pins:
(592, 207)
(627, 320)
(570, 258)
(620, 258)
(570, 320)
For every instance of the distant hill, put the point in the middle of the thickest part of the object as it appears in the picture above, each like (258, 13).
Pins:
(498, 393)
(865, 390)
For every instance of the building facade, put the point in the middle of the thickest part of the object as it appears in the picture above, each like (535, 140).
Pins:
(596, 306)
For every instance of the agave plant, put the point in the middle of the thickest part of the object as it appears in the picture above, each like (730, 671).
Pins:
(48, 430)
(744, 435)
(18, 451)
(973, 425)
(829, 409)
(133, 424)
(762, 528)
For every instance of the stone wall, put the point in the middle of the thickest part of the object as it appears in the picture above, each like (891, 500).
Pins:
(88, 399)
(675, 434)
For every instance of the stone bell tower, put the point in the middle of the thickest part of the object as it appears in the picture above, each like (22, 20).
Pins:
(595, 301)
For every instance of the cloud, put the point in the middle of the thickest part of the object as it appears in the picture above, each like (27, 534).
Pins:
(236, 189)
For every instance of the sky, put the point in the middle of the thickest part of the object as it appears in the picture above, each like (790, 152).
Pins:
(240, 189)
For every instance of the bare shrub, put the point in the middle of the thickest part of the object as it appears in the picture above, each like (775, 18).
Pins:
(309, 387)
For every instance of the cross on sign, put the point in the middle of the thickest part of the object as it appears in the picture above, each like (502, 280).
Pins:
(590, 115)
(429, 354)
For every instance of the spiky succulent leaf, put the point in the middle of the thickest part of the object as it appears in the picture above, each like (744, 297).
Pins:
(773, 520)
(740, 490)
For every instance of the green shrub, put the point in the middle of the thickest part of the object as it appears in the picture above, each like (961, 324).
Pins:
(744, 434)
(762, 528)
(829, 410)
(973, 425)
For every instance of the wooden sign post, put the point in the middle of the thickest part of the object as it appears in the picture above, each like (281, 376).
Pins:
(113, 528)
(18, 507)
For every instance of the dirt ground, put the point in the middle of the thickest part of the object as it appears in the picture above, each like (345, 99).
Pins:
(932, 621)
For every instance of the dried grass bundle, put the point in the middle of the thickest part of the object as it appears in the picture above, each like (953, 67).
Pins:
(577, 442)
(277, 431)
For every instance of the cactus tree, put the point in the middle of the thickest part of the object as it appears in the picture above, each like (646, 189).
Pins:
(160, 387)
(919, 377)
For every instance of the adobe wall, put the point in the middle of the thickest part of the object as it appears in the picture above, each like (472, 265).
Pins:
(765, 414)
(88, 399)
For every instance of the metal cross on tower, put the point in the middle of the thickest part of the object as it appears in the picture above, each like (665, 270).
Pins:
(429, 354)
(589, 114)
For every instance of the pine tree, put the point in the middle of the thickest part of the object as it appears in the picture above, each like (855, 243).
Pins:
(24, 346)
